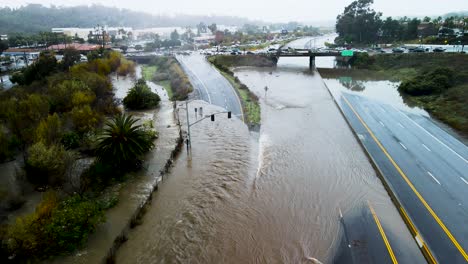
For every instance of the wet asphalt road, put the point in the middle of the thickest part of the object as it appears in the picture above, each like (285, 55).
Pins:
(426, 168)
(211, 86)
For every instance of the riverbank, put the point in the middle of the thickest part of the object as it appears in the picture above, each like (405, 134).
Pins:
(447, 105)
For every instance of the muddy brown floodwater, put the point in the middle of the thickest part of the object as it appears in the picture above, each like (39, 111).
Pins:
(266, 197)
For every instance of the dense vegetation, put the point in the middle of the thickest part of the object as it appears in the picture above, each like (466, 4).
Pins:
(436, 82)
(123, 142)
(360, 24)
(141, 97)
(56, 227)
(250, 105)
(167, 72)
(53, 119)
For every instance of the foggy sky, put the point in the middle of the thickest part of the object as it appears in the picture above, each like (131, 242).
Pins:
(268, 11)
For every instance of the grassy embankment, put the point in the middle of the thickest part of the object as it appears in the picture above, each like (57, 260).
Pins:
(167, 72)
(250, 103)
(436, 82)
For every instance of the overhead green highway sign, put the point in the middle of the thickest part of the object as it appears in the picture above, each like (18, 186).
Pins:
(347, 53)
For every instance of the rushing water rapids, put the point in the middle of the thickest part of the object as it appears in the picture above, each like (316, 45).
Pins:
(267, 197)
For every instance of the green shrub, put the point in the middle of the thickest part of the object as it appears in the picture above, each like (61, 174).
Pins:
(45, 165)
(54, 228)
(140, 96)
(123, 142)
(362, 60)
(49, 130)
(71, 223)
(160, 77)
(431, 82)
(70, 140)
(84, 118)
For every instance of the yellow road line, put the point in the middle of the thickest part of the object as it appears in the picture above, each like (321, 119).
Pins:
(423, 201)
(384, 237)
(415, 231)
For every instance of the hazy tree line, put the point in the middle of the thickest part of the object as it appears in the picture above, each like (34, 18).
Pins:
(35, 18)
(359, 23)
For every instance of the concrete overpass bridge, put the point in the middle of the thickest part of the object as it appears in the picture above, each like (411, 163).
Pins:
(275, 56)
(308, 53)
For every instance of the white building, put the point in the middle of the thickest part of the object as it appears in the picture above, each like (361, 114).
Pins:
(118, 32)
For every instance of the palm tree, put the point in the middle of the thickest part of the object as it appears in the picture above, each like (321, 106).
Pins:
(123, 142)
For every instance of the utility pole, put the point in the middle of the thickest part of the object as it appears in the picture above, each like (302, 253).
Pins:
(463, 34)
(189, 139)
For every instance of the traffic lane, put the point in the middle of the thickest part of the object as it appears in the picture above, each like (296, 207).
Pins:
(443, 169)
(362, 241)
(450, 167)
(445, 144)
(219, 90)
(225, 92)
(434, 165)
(433, 236)
(417, 213)
(442, 202)
(441, 134)
(197, 83)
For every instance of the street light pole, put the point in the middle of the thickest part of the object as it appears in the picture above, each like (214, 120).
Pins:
(189, 139)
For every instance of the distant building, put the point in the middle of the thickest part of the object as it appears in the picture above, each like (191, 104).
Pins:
(84, 48)
(219, 36)
(28, 55)
(3, 37)
(426, 29)
(116, 32)
(206, 39)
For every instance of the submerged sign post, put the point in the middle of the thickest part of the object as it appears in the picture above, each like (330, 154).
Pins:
(347, 53)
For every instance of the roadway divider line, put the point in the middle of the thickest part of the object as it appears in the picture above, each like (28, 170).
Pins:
(430, 174)
(464, 180)
(428, 149)
(382, 233)
(410, 184)
(438, 140)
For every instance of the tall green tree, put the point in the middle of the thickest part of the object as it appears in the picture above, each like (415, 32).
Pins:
(70, 57)
(359, 22)
(3, 45)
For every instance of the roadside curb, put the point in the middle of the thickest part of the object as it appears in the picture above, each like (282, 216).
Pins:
(393, 196)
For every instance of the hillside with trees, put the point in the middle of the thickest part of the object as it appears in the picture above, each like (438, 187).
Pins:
(35, 18)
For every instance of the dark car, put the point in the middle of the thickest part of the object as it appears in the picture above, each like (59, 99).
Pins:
(250, 53)
(398, 50)
(419, 49)
(438, 49)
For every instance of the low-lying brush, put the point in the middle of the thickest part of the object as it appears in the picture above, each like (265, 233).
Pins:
(56, 227)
